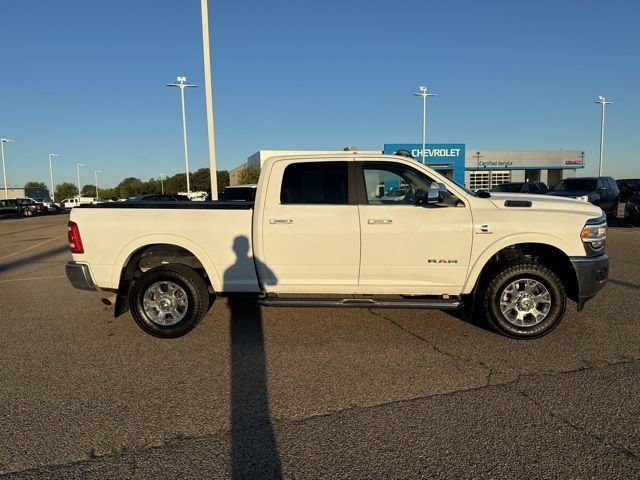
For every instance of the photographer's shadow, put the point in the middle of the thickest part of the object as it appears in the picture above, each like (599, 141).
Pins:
(254, 451)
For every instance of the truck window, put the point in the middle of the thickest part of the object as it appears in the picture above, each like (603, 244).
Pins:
(315, 183)
(393, 184)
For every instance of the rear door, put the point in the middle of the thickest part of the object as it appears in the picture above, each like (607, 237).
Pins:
(408, 248)
(310, 229)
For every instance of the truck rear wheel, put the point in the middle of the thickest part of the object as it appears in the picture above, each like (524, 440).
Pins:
(168, 301)
(525, 300)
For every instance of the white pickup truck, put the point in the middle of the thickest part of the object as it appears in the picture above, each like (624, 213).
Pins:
(322, 232)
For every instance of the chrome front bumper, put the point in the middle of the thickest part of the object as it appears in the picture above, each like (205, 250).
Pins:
(80, 276)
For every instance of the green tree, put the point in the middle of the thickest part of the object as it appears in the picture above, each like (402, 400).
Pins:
(223, 179)
(88, 190)
(129, 187)
(34, 184)
(200, 180)
(65, 190)
(108, 193)
(250, 174)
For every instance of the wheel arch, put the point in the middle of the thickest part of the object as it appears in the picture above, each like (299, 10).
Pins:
(552, 256)
(140, 254)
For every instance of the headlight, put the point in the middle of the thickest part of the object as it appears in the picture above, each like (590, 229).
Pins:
(584, 198)
(595, 235)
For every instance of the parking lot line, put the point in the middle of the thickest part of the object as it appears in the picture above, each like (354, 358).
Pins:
(31, 247)
(31, 278)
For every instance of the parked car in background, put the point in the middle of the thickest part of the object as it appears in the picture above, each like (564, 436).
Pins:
(239, 193)
(159, 197)
(75, 201)
(521, 187)
(632, 208)
(49, 205)
(627, 187)
(26, 207)
(601, 191)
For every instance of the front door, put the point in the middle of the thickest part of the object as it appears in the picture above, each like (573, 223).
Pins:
(310, 228)
(409, 248)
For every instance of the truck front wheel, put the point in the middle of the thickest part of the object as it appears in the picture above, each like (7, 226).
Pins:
(168, 301)
(525, 300)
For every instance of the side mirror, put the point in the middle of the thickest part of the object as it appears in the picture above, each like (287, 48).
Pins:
(433, 195)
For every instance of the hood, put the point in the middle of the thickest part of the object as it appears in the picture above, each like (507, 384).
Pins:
(545, 202)
(570, 193)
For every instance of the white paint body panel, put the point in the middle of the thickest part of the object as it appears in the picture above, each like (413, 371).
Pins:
(111, 236)
(333, 248)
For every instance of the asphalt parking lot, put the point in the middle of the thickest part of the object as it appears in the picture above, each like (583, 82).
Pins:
(308, 393)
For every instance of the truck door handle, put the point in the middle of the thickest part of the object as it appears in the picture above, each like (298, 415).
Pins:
(383, 221)
(273, 221)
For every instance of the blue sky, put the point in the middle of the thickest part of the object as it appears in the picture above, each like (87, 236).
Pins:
(86, 79)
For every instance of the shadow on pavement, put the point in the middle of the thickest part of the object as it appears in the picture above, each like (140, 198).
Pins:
(623, 284)
(19, 262)
(254, 451)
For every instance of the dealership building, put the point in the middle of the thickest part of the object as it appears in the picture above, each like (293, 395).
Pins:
(472, 167)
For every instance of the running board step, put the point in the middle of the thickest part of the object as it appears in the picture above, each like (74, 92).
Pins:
(436, 303)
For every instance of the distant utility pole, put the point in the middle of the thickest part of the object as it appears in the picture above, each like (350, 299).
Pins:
(424, 94)
(162, 182)
(181, 83)
(53, 193)
(602, 101)
(96, 172)
(4, 170)
(78, 165)
(208, 90)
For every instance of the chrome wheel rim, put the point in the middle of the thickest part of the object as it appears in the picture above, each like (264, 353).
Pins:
(525, 302)
(165, 303)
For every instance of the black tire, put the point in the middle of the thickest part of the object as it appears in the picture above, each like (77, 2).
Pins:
(505, 277)
(192, 285)
(613, 214)
(27, 212)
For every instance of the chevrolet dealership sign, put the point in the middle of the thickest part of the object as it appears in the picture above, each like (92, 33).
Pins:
(440, 156)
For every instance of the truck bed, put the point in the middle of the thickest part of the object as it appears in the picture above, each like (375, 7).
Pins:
(191, 205)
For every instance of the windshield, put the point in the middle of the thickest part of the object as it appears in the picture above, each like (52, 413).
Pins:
(576, 184)
(508, 187)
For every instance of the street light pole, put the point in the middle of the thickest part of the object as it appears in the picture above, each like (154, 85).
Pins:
(208, 90)
(96, 172)
(181, 82)
(162, 183)
(53, 193)
(4, 170)
(78, 165)
(424, 94)
(602, 101)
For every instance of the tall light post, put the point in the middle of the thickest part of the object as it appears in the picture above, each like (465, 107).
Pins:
(602, 101)
(78, 165)
(53, 193)
(4, 170)
(424, 94)
(208, 90)
(96, 172)
(181, 82)
(162, 183)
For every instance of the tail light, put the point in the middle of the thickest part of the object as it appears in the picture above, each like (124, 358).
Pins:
(73, 235)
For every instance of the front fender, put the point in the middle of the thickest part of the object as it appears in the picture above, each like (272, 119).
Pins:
(531, 238)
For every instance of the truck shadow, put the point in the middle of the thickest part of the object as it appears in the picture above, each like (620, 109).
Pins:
(254, 450)
(28, 259)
